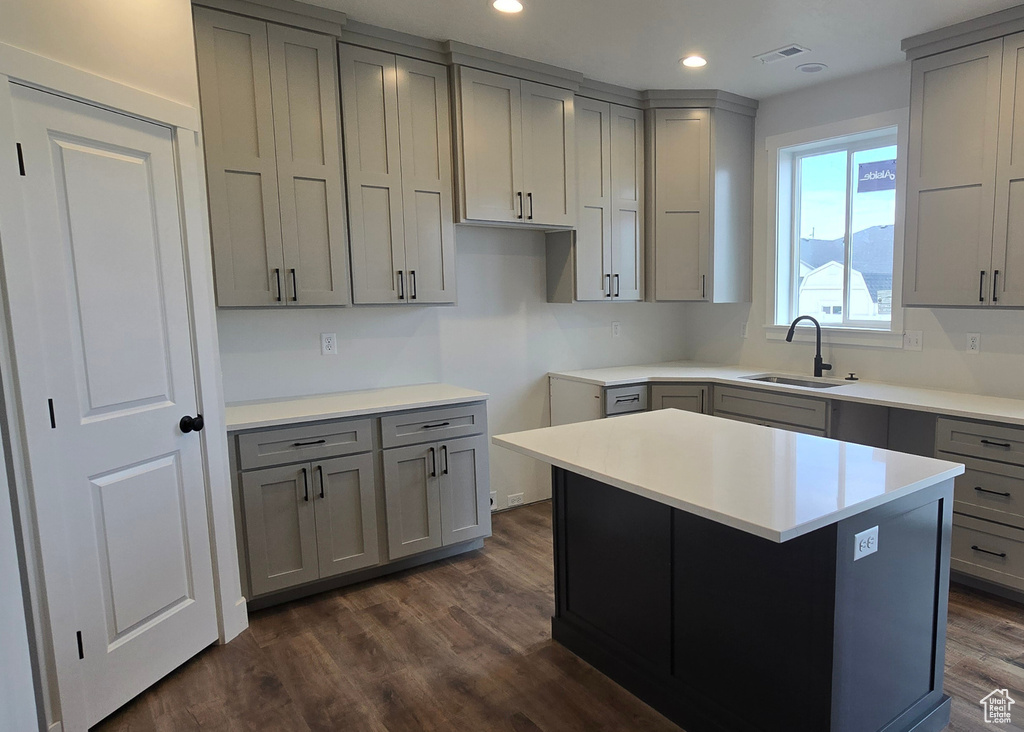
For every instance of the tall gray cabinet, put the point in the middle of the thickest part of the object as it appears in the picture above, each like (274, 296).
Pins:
(271, 127)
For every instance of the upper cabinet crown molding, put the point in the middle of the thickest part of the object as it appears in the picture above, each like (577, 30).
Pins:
(462, 54)
(284, 12)
(698, 99)
(390, 41)
(977, 30)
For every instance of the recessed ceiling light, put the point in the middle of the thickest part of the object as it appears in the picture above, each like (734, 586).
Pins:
(507, 6)
(694, 62)
(812, 68)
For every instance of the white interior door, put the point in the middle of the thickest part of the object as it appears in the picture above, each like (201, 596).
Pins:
(119, 488)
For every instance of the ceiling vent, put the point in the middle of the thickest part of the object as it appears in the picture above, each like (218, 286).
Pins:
(781, 54)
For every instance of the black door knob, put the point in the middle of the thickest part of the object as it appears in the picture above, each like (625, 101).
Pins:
(191, 424)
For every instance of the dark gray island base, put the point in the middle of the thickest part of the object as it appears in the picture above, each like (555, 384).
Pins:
(719, 629)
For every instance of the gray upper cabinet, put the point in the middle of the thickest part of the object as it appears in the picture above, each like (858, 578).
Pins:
(602, 260)
(516, 151)
(413, 498)
(346, 514)
(700, 205)
(399, 172)
(1008, 234)
(465, 504)
(951, 175)
(273, 157)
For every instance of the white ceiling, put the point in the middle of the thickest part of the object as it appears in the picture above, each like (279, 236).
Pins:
(638, 43)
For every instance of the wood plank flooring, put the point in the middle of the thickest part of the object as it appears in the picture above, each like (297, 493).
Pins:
(464, 644)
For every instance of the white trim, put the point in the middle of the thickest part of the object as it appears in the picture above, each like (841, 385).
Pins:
(898, 118)
(838, 336)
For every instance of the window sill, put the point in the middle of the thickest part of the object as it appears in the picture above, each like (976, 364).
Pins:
(838, 336)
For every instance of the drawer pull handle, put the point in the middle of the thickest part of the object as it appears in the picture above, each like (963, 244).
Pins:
(1001, 555)
(435, 426)
(1007, 445)
(306, 444)
(634, 398)
(994, 493)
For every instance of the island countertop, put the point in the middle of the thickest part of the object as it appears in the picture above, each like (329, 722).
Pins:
(772, 483)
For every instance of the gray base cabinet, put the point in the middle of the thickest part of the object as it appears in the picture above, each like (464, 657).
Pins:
(687, 397)
(346, 514)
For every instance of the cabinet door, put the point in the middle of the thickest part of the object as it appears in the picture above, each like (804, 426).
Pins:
(593, 245)
(1008, 236)
(951, 173)
(280, 531)
(369, 88)
(412, 498)
(688, 397)
(549, 155)
(241, 167)
(304, 80)
(426, 150)
(346, 514)
(627, 176)
(465, 489)
(490, 121)
(682, 180)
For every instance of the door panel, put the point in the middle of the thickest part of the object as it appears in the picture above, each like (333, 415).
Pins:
(1008, 235)
(241, 166)
(425, 132)
(549, 155)
(686, 397)
(125, 489)
(369, 86)
(280, 527)
(951, 171)
(593, 247)
(304, 80)
(346, 514)
(627, 175)
(413, 499)
(492, 142)
(682, 180)
(465, 500)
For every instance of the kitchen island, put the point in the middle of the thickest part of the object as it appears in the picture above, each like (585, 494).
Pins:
(739, 577)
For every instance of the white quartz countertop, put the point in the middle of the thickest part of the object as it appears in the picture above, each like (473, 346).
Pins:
(972, 406)
(773, 483)
(274, 412)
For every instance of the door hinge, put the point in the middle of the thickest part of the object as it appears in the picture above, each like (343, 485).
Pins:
(81, 650)
(53, 418)
(21, 159)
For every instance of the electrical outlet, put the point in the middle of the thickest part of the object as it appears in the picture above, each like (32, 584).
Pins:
(494, 500)
(912, 340)
(515, 499)
(616, 329)
(328, 344)
(865, 543)
(973, 342)
(743, 329)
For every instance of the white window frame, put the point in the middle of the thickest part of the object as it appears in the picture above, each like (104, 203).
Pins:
(782, 151)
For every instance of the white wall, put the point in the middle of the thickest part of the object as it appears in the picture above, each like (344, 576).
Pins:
(502, 338)
(713, 332)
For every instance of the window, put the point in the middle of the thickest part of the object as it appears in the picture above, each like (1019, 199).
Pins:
(836, 223)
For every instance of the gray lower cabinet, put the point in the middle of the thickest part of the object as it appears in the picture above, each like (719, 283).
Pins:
(687, 397)
(436, 494)
(346, 514)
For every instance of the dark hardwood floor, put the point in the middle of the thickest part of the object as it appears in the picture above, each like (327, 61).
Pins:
(464, 644)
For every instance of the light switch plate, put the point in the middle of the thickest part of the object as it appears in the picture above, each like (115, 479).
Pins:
(912, 340)
(865, 543)
(328, 344)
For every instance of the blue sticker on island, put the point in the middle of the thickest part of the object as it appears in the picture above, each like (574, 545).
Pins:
(878, 176)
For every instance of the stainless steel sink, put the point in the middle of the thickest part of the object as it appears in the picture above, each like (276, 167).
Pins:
(788, 380)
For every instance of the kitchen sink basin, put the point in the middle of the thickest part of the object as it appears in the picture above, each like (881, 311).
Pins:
(812, 383)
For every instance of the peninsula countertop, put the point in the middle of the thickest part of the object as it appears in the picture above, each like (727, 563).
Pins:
(957, 404)
(772, 483)
(316, 407)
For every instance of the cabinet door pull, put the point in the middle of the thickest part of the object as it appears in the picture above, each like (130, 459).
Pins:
(401, 285)
(529, 197)
(444, 460)
(994, 493)
(1007, 445)
(981, 287)
(703, 288)
(1001, 555)
(305, 485)
(435, 426)
(616, 286)
(608, 291)
(520, 195)
(320, 468)
(433, 463)
(306, 444)
(295, 287)
(277, 276)
(412, 284)
(995, 285)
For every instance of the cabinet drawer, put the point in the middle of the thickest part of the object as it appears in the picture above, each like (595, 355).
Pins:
(988, 441)
(991, 490)
(764, 406)
(311, 442)
(777, 425)
(430, 425)
(988, 550)
(625, 399)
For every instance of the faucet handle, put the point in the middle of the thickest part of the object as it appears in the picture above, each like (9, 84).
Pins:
(826, 367)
